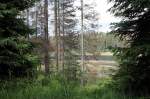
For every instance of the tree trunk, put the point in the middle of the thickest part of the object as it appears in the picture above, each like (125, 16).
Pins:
(82, 45)
(36, 20)
(46, 39)
(59, 34)
(82, 37)
(28, 22)
(63, 35)
(56, 33)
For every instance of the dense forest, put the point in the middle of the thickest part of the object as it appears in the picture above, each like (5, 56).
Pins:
(53, 49)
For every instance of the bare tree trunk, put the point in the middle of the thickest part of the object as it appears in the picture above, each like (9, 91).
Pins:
(46, 57)
(59, 34)
(56, 33)
(28, 22)
(82, 37)
(82, 44)
(63, 35)
(36, 21)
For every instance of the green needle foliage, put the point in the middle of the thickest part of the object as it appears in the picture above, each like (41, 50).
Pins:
(134, 71)
(16, 57)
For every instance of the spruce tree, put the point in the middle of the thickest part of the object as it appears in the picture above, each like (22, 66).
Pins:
(16, 57)
(134, 71)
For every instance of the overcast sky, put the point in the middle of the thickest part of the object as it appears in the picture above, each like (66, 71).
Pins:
(105, 17)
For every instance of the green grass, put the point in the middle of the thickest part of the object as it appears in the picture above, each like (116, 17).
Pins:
(58, 89)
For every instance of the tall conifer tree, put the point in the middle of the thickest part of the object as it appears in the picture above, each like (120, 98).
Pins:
(16, 57)
(134, 71)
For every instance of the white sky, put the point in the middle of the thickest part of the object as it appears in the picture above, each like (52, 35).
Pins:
(105, 17)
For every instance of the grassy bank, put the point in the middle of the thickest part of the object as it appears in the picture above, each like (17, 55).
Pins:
(58, 89)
